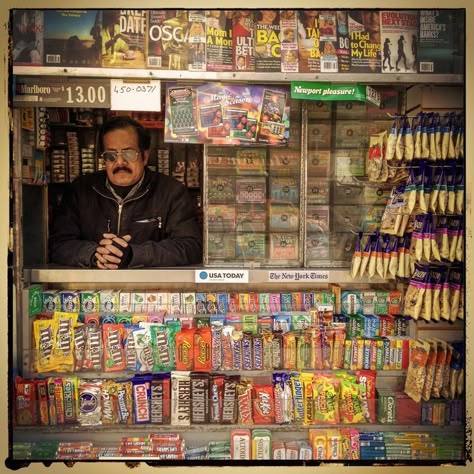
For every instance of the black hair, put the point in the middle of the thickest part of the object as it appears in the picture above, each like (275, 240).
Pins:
(124, 121)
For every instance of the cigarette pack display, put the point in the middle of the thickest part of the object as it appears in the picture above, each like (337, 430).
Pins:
(124, 34)
(284, 218)
(351, 110)
(318, 191)
(285, 189)
(319, 110)
(251, 218)
(318, 162)
(72, 38)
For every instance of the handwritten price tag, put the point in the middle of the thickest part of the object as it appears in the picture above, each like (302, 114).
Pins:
(135, 95)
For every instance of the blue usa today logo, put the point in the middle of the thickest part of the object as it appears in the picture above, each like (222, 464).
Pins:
(203, 275)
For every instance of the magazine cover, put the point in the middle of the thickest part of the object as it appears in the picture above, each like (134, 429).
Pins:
(243, 40)
(267, 41)
(72, 38)
(27, 32)
(441, 42)
(343, 42)
(399, 36)
(124, 38)
(167, 46)
(308, 41)
(364, 34)
(289, 41)
(219, 40)
(196, 40)
(328, 41)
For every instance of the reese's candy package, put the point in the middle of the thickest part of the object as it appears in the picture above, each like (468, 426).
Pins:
(202, 349)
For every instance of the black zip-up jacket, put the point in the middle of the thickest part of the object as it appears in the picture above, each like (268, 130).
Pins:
(158, 214)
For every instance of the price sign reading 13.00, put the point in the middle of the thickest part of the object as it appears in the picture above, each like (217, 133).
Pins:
(86, 95)
(135, 95)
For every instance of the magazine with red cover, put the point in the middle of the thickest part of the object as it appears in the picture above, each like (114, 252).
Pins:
(243, 40)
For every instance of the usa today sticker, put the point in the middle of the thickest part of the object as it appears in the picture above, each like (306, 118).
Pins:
(221, 276)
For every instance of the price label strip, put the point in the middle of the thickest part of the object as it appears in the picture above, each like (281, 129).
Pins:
(135, 95)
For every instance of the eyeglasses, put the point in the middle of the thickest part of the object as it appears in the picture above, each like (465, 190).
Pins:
(127, 155)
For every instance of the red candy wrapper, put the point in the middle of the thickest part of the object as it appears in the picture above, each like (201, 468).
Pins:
(263, 405)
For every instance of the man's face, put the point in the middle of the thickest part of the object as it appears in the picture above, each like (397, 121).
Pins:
(122, 172)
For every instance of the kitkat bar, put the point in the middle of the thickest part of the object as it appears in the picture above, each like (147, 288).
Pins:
(263, 404)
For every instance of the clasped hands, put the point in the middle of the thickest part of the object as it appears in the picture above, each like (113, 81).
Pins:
(113, 252)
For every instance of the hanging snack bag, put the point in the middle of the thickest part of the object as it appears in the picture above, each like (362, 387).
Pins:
(452, 132)
(415, 291)
(439, 370)
(410, 194)
(443, 193)
(427, 232)
(450, 172)
(459, 252)
(357, 257)
(425, 145)
(416, 250)
(455, 288)
(441, 236)
(374, 255)
(379, 250)
(416, 127)
(445, 133)
(400, 143)
(375, 157)
(445, 300)
(438, 136)
(435, 277)
(432, 137)
(427, 308)
(435, 252)
(391, 141)
(393, 265)
(392, 216)
(416, 372)
(430, 370)
(385, 256)
(459, 190)
(409, 142)
(366, 255)
(454, 227)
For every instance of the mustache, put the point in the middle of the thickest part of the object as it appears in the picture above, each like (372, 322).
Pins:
(122, 168)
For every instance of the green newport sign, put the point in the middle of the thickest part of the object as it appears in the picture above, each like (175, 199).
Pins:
(327, 91)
